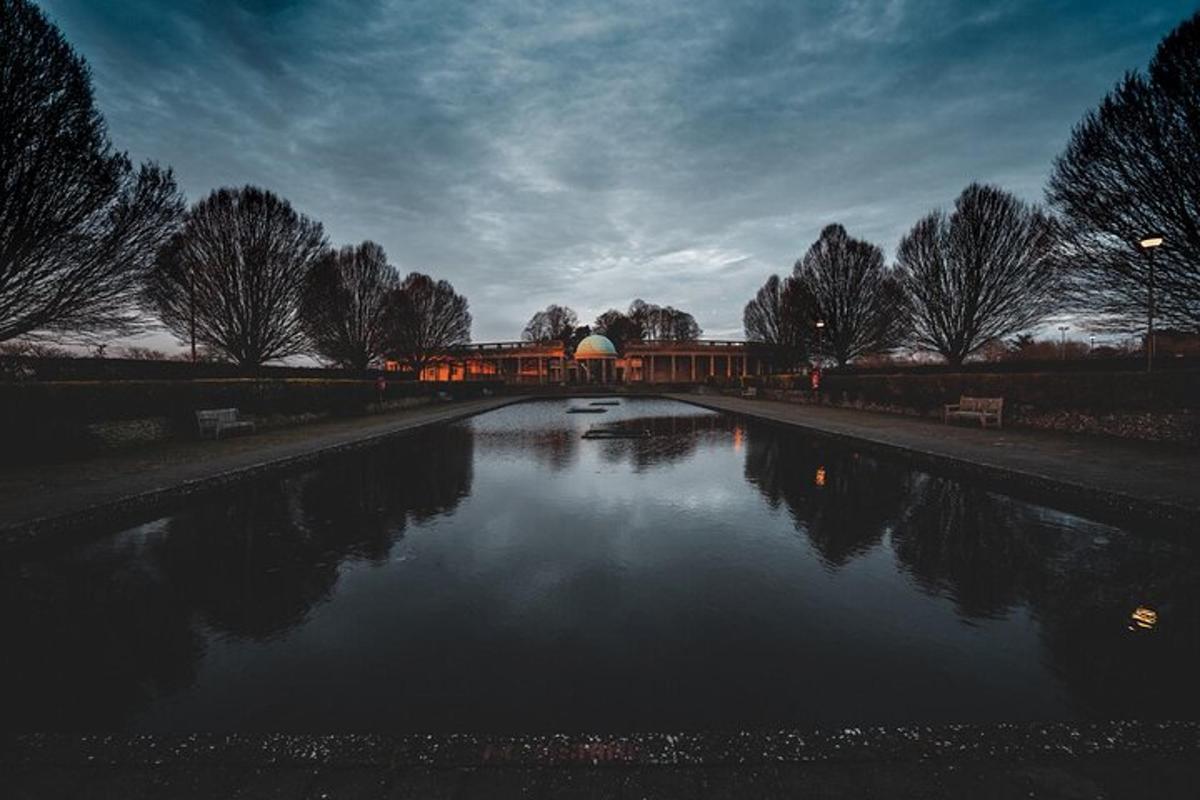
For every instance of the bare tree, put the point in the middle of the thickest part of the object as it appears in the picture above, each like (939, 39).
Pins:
(777, 317)
(983, 272)
(663, 322)
(345, 304)
(79, 226)
(425, 318)
(618, 327)
(233, 277)
(843, 283)
(1131, 170)
(554, 323)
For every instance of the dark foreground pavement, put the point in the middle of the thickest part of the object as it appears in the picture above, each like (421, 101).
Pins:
(1112, 760)
(1088, 474)
(42, 499)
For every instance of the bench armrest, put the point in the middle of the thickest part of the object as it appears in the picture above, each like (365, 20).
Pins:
(952, 407)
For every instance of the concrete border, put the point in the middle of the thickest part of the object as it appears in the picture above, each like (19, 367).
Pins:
(1087, 500)
(128, 507)
(1013, 741)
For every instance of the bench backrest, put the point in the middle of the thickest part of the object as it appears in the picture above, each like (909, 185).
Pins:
(216, 416)
(990, 405)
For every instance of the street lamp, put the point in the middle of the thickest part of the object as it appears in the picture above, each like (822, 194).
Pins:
(1149, 244)
(820, 338)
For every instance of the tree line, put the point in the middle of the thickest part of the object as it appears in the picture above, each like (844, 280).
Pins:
(995, 266)
(642, 321)
(89, 244)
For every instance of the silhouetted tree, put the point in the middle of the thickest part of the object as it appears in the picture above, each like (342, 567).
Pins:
(425, 317)
(554, 323)
(983, 272)
(777, 317)
(236, 272)
(618, 327)
(576, 336)
(345, 303)
(1132, 168)
(78, 225)
(842, 281)
(663, 322)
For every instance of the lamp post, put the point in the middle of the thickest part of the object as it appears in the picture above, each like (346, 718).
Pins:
(821, 339)
(1149, 244)
(1062, 347)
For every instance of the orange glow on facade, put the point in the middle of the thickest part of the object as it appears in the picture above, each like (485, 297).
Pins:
(819, 478)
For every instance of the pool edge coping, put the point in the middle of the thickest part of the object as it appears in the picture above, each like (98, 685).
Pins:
(114, 511)
(847, 744)
(1041, 486)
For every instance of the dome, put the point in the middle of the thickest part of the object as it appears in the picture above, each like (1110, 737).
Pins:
(595, 346)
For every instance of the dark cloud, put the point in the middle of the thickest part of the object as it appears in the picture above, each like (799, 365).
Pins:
(587, 153)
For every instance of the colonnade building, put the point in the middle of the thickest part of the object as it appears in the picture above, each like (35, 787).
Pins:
(595, 360)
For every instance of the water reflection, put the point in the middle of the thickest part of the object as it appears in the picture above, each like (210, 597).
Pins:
(841, 501)
(506, 574)
(112, 625)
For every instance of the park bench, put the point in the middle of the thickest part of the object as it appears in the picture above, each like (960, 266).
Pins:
(216, 421)
(750, 392)
(984, 409)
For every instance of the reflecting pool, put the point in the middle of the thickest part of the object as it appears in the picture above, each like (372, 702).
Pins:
(684, 570)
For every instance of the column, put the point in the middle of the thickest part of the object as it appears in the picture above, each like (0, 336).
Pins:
(693, 373)
(743, 365)
(728, 365)
(672, 357)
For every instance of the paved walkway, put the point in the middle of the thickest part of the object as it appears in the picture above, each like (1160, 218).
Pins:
(43, 498)
(1090, 473)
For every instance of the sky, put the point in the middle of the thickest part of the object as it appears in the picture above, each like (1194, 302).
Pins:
(587, 153)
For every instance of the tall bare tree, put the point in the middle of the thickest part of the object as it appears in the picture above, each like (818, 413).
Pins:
(983, 272)
(842, 282)
(79, 226)
(345, 304)
(425, 318)
(663, 322)
(554, 323)
(234, 276)
(778, 317)
(1130, 170)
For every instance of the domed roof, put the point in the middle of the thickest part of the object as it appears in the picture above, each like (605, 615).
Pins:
(595, 346)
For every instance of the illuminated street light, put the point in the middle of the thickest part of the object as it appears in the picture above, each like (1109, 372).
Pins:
(1149, 243)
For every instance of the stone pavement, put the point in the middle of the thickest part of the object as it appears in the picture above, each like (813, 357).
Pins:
(43, 498)
(1062, 760)
(1089, 474)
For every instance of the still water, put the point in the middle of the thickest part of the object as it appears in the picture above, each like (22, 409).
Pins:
(505, 574)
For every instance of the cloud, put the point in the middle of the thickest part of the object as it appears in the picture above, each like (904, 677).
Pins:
(583, 153)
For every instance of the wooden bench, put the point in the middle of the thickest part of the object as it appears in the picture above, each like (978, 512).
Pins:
(216, 421)
(984, 409)
(750, 392)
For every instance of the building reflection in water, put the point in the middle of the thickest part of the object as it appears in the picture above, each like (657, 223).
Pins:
(721, 576)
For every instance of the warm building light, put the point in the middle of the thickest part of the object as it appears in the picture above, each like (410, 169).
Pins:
(1143, 618)
(1153, 240)
(820, 323)
(819, 478)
